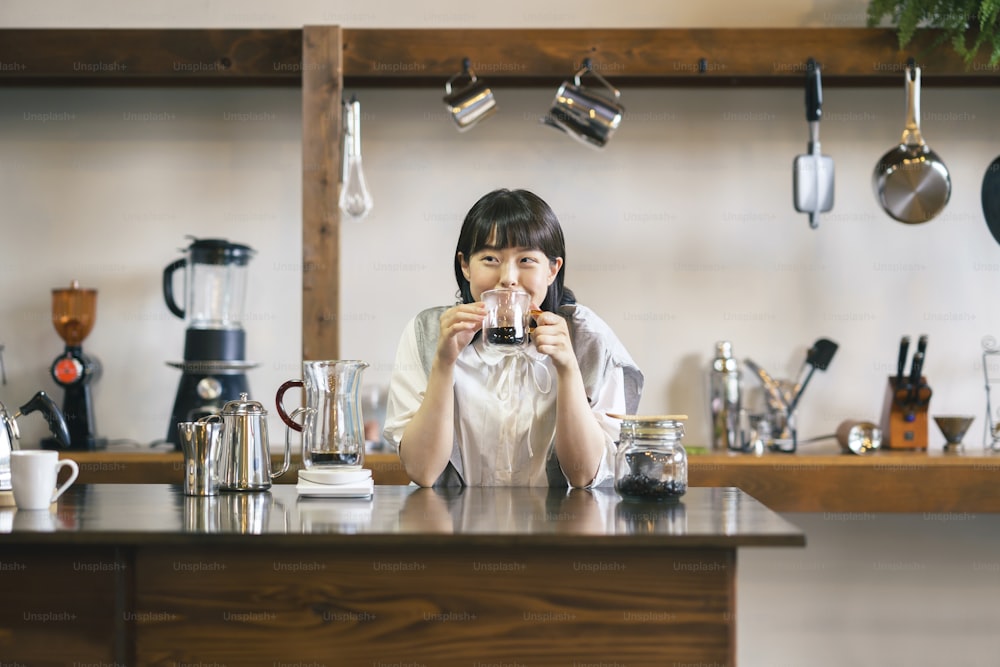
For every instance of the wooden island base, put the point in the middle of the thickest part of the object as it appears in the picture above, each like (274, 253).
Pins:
(142, 575)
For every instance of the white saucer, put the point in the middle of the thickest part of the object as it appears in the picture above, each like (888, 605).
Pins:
(362, 489)
(346, 475)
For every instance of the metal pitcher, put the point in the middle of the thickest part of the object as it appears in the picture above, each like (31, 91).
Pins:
(245, 458)
(333, 431)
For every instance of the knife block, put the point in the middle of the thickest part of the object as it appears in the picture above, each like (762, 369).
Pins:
(902, 427)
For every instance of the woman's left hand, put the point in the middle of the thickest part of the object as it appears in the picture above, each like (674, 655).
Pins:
(551, 337)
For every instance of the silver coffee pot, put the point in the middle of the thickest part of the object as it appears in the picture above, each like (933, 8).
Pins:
(245, 458)
(9, 432)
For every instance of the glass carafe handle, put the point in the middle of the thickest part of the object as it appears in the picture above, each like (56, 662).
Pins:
(279, 397)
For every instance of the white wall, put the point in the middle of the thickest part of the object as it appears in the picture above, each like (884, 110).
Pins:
(680, 233)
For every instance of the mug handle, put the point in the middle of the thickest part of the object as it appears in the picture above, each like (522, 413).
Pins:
(466, 71)
(533, 313)
(74, 473)
(281, 409)
(588, 67)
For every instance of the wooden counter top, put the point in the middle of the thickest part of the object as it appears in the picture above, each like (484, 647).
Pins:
(141, 514)
(813, 480)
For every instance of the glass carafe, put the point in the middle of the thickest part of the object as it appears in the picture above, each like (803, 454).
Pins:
(333, 431)
(651, 463)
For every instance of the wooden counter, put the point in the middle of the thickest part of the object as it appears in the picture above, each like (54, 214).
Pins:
(140, 574)
(816, 480)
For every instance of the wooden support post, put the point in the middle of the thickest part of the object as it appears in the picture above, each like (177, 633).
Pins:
(322, 88)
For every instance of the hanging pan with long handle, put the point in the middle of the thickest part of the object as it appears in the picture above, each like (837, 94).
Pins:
(991, 198)
(911, 182)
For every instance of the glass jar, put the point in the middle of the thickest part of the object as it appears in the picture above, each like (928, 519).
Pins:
(651, 463)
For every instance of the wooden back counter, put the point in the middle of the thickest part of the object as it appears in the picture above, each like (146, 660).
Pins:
(817, 480)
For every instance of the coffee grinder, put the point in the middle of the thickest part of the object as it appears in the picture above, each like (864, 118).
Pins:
(74, 311)
(214, 366)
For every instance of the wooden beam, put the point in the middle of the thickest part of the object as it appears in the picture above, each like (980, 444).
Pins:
(396, 57)
(160, 57)
(322, 88)
(650, 55)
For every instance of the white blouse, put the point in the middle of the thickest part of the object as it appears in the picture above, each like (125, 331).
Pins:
(505, 411)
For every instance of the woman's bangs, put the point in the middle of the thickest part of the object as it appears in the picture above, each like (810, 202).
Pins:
(515, 233)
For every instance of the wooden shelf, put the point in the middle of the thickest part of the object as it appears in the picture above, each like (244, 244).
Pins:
(652, 56)
(844, 483)
(834, 483)
(394, 57)
(153, 57)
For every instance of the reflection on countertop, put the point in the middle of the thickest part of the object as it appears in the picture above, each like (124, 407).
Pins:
(161, 513)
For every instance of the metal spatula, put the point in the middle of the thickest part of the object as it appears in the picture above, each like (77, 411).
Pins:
(813, 173)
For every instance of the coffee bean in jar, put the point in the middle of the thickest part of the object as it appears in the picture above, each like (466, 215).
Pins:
(651, 463)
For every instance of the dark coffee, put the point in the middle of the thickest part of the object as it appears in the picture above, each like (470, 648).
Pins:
(505, 336)
(334, 458)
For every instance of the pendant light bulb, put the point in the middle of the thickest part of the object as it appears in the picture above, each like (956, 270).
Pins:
(355, 200)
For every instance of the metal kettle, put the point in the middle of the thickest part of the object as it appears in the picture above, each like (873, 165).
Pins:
(245, 457)
(9, 433)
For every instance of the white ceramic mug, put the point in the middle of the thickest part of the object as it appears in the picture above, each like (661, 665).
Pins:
(33, 475)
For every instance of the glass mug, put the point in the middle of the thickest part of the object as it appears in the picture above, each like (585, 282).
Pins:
(508, 319)
(333, 431)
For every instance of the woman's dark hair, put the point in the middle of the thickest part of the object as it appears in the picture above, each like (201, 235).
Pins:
(513, 219)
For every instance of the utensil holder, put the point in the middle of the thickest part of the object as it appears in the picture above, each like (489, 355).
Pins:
(904, 425)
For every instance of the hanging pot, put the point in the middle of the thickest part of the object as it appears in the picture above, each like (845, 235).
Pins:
(911, 182)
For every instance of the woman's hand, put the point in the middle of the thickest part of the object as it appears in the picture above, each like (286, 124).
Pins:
(551, 337)
(459, 325)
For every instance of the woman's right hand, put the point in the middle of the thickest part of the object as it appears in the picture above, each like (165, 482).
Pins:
(459, 325)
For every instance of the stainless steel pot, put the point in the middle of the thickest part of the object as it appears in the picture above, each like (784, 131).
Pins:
(911, 182)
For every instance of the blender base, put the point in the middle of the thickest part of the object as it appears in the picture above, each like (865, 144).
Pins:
(200, 395)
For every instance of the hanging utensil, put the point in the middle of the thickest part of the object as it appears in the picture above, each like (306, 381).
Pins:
(355, 200)
(818, 357)
(911, 182)
(813, 173)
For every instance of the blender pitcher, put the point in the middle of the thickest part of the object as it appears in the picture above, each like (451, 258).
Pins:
(333, 431)
(215, 285)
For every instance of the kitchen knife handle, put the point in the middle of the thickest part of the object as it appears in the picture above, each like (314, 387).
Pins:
(814, 91)
(916, 368)
(904, 349)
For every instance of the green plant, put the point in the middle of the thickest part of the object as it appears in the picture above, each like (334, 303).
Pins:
(968, 25)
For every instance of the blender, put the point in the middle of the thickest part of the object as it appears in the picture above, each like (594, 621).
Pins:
(214, 366)
(73, 313)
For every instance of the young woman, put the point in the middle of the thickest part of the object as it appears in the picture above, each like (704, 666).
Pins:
(461, 414)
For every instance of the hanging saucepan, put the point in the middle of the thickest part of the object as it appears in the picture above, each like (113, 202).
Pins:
(911, 182)
(991, 198)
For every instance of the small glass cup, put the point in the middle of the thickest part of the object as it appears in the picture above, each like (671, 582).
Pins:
(508, 320)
